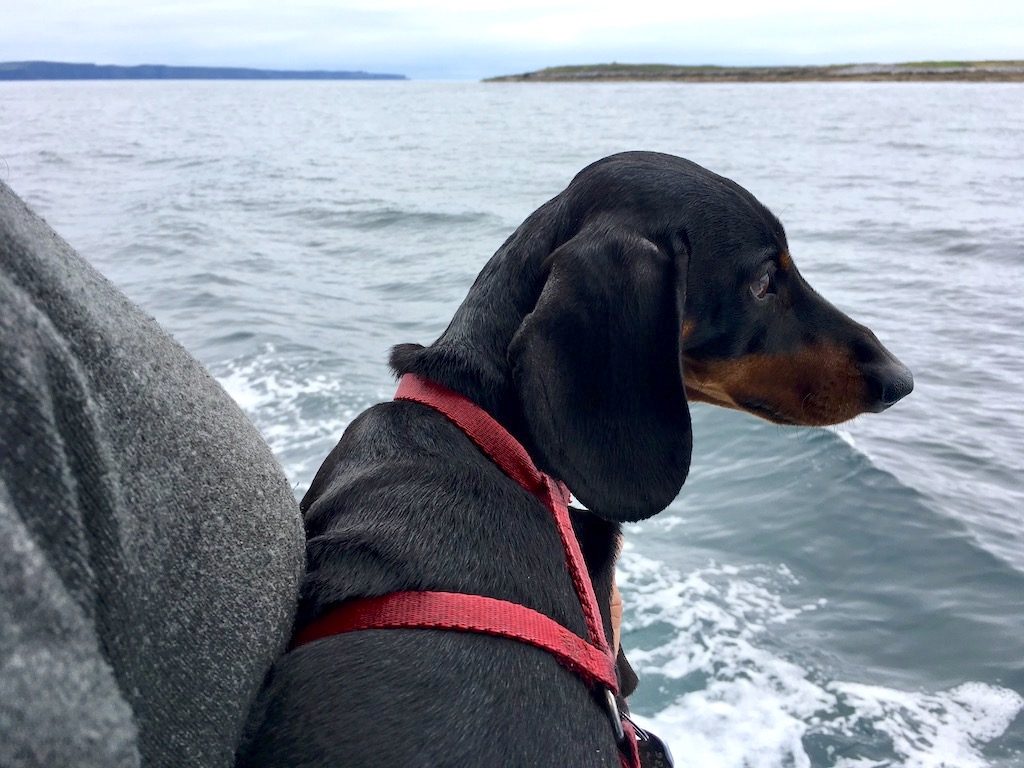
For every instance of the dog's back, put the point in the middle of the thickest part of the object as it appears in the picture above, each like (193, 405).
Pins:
(406, 501)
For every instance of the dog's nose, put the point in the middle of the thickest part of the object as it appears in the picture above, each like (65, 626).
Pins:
(887, 384)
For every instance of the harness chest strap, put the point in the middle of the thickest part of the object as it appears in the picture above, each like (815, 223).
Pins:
(592, 661)
(466, 613)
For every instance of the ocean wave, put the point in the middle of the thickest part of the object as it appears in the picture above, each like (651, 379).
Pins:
(380, 216)
(301, 412)
(49, 157)
(738, 701)
(954, 245)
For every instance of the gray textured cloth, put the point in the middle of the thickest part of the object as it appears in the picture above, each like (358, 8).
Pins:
(150, 546)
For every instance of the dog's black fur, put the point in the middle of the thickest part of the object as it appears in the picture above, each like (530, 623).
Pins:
(644, 281)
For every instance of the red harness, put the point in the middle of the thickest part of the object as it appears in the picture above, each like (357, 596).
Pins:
(592, 659)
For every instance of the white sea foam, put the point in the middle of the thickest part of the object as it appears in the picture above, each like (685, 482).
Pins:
(747, 706)
(930, 730)
(301, 413)
(846, 437)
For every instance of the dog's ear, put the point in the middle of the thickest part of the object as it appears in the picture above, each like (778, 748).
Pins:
(597, 369)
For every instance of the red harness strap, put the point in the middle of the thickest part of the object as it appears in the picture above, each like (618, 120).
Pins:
(467, 613)
(593, 661)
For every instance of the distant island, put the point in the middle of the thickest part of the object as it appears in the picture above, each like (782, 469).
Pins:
(919, 71)
(54, 70)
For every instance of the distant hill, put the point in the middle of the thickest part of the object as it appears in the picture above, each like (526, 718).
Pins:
(930, 71)
(54, 70)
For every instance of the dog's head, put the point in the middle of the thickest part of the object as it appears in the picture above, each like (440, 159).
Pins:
(651, 281)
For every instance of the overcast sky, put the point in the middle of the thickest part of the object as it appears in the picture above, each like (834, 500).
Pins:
(459, 39)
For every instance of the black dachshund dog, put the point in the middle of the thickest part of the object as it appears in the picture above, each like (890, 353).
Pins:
(648, 282)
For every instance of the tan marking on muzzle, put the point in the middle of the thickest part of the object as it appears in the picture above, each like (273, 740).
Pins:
(813, 386)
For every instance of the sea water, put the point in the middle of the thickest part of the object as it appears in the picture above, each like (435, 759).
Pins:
(815, 597)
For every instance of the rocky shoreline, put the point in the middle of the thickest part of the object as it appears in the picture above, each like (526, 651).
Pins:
(925, 71)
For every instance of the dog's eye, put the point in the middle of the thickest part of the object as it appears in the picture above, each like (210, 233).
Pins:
(762, 286)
